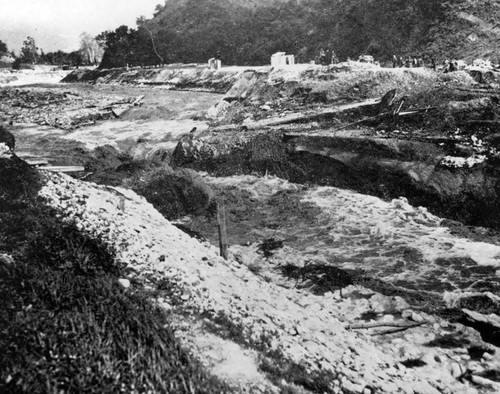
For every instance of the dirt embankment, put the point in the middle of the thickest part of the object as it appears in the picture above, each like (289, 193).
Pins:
(183, 77)
(436, 143)
(272, 327)
(271, 321)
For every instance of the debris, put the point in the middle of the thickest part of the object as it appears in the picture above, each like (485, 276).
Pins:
(270, 244)
(488, 325)
(64, 110)
(119, 110)
(320, 277)
(378, 324)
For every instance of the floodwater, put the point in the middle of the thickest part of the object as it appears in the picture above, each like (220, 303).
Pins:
(164, 116)
(391, 241)
(405, 247)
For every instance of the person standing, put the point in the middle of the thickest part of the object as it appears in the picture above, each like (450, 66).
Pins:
(334, 59)
(433, 63)
(322, 56)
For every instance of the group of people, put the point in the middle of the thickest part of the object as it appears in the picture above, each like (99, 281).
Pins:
(327, 56)
(409, 62)
(450, 65)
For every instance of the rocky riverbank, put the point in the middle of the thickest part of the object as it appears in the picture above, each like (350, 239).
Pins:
(325, 289)
(176, 77)
(327, 335)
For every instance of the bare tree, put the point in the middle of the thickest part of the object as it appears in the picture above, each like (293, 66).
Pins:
(141, 22)
(29, 51)
(90, 48)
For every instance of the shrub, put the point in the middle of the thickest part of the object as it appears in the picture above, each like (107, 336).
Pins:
(175, 193)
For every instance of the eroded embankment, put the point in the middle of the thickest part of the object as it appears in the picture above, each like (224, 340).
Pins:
(388, 168)
(181, 77)
(294, 325)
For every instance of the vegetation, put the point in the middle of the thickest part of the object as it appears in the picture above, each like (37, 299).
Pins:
(3, 48)
(61, 58)
(90, 49)
(174, 193)
(66, 324)
(248, 33)
(29, 51)
(90, 53)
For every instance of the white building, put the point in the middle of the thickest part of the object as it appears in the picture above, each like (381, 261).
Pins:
(281, 59)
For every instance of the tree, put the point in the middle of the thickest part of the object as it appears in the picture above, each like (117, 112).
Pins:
(3, 48)
(29, 51)
(91, 49)
(118, 48)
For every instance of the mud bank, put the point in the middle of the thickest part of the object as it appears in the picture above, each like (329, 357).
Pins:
(383, 167)
(183, 77)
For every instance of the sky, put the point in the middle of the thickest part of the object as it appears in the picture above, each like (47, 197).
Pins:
(57, 24)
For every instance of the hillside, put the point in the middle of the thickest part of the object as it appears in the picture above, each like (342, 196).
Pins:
(247, 33)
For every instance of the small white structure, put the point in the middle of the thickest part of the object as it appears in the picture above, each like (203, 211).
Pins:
(214, 63)
(281, 59)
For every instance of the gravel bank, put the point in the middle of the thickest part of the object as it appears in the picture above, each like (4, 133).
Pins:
(307, 329)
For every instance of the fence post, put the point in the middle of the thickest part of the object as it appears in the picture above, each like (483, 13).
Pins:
(221, 222)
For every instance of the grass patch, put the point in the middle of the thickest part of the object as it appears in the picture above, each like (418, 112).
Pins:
(66, 324)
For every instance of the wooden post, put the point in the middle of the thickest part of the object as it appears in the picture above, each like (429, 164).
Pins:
(221, 222)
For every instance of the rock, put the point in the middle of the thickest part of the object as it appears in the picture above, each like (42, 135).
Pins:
(124, 282)
(411, 315)
(488, 356)
(6, 259)
(352, 387)
(456, 370)
(381, 303)
(487, 325)
(424, 387)
(486, 383)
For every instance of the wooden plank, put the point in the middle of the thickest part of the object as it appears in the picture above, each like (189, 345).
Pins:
(63, 168)
(221, 222)
(36, 163)
(119, 111)
(138, 100)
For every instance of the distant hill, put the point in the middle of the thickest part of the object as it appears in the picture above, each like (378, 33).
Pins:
(247, 32)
